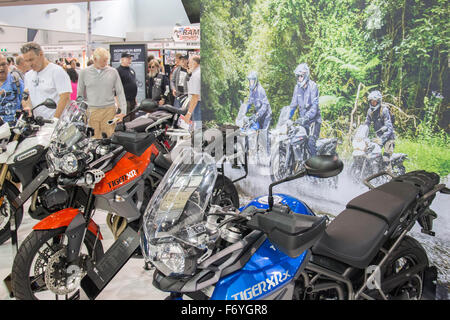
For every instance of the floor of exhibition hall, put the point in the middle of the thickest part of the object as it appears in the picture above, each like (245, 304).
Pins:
(131, 283)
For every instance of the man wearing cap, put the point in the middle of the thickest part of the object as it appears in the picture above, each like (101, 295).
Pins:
(128, 77)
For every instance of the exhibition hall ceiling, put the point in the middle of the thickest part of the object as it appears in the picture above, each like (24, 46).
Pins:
(26, 2)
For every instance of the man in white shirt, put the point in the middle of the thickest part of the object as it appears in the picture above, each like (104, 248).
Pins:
(194, 90)
(45, 80)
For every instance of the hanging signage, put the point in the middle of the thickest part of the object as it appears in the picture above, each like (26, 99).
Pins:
(138, 63)
(186, 34)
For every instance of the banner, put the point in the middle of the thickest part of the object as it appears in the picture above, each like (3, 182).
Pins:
(188, 33)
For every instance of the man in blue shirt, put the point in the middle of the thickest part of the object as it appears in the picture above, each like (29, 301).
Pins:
(306, 99)
(11, 89)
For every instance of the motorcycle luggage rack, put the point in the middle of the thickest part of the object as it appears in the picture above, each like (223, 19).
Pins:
(379, 174)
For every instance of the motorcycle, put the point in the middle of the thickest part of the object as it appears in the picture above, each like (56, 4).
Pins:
(367, 158)
(116, 174)
(290, 147)
(23, 153)
(250, 130)
(275, 247)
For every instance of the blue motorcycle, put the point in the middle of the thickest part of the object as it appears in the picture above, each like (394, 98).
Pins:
(275, 247)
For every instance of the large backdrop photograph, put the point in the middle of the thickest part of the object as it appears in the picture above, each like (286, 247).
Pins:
(364, 80)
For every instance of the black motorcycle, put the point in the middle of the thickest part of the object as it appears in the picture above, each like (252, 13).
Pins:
(290, 150)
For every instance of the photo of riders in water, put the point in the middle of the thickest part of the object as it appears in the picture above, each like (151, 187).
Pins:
(361, 80)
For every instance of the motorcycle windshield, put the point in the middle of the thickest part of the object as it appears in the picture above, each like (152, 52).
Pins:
(177, 208)
(284, 116)
(362, 132)
(70, 129)
(240, 119)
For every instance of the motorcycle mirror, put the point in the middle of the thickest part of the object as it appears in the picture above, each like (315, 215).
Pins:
(323, 166)
(49, 103)
(148, 105)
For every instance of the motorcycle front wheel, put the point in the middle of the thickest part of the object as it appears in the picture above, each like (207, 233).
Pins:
(39, 270)
(9, 193)
(278, 168)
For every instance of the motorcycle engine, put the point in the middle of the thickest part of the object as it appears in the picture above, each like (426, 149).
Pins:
(54, 198)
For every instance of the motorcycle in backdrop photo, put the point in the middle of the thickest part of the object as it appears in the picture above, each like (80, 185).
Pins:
(118, 175)
(22, 160)
(276, 247)
(289, 142)
(256, 139)
(367, 158)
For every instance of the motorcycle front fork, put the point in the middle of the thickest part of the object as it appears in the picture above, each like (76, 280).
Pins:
(76, 231)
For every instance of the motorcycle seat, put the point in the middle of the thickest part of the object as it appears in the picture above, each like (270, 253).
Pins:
(134, 142)
(387, 203)
(353, 237)
(139, 124)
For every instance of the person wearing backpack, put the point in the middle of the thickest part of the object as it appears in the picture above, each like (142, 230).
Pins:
(11, 90)
(380, 116)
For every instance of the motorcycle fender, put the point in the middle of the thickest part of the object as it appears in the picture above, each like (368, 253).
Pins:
(63, 218)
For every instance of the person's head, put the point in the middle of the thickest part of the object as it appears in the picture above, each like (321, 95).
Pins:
(178, 57)
(252, 80)
(73, 74)
(10, 61)
(126, 59)
(73, 64)
(374, 98)
(184, 62)
(4, 68)
(153, 68)
(34, 56)
(194, 63)
(90, 62)
(150, 58)
(22, 65)
(302, 74)
(101, 58)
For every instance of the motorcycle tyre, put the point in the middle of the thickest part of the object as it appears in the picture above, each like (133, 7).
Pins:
(11, 193)
(20, 275)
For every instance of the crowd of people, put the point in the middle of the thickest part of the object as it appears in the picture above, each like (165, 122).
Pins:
(28, 79)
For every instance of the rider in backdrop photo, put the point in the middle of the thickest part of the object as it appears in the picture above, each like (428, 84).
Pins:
(380, 116)
(11, 90)
(306, 99)
(262, 110)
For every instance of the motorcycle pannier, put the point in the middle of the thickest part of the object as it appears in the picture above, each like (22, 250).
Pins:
(291, 233)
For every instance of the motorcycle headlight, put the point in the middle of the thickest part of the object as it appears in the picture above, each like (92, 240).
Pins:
(172, 259)
(69, 163)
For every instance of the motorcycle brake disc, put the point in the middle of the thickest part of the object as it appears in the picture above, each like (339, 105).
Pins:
(61, 279)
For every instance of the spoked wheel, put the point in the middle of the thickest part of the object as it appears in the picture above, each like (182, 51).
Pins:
(40, 270)
(278, 168)
(410, 254)
(8, 194)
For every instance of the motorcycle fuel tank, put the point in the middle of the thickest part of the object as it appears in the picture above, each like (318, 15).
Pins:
(126, 170)
(268, 269)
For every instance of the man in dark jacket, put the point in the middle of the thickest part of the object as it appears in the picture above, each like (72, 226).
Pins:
(380, 116)
(128, 77)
